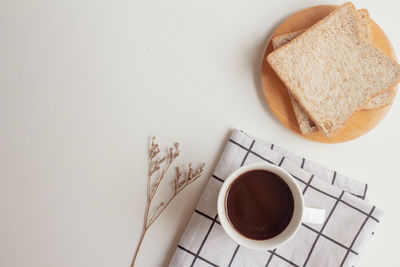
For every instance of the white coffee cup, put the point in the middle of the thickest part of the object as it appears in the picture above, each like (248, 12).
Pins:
(300, 212)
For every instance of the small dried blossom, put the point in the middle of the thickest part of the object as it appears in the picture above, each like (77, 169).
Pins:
(162, 160)
(159, 168)
(194, 174)
(155, 168)
(177, 179)
(154, 149)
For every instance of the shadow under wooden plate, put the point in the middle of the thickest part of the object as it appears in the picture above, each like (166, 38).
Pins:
(276, 93)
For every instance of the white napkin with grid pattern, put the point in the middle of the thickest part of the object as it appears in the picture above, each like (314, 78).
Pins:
(350, 222)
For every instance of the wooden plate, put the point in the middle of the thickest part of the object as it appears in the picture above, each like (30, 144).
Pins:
(277, 95)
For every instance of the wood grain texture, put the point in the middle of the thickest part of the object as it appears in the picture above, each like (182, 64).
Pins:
(277, 95)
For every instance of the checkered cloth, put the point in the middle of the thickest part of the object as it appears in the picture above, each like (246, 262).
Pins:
(350, 222)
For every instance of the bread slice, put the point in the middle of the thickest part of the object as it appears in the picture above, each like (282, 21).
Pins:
(365, 27)
(332, 71)
(306, 125)
(280, 40)
(380, 100)
(386, 98)
(365, 24)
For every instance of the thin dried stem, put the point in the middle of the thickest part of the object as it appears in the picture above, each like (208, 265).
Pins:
(184, 185)
(155, 212)
(179, 184)
(153, 152)
(172, 155)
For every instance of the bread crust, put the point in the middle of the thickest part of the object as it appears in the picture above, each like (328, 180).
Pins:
(306, 125)
(325, 128)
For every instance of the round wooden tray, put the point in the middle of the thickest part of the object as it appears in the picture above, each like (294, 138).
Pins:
(277, 95)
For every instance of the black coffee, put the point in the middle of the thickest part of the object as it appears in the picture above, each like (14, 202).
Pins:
(259, 204)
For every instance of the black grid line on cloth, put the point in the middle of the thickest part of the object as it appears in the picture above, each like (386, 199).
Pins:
(247, 153)
(280, 162)
(341, 200)
(313, 187)
(217, 178)
(302, 165)
(334, 178)
(288, 261)
(357, 196)
(308, 184)
(358, 233)
(330, 239)
(243, 161)
(270, 257)
(322, 229)
(206, 216)
(357, 209)
(365, 191)
(273, 253)
(194, 254)
(320, 233)
(252, 152)
(304, 225)
(364, 194)
(234, 255)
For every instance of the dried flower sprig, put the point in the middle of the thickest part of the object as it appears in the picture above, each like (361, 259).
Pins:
(158, 168)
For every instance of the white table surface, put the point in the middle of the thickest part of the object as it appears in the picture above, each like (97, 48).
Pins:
(84, 83)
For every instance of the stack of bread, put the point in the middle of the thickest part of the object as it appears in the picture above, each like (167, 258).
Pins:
(332, 70)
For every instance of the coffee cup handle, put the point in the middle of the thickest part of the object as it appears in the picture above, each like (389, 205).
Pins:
(313, 215)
